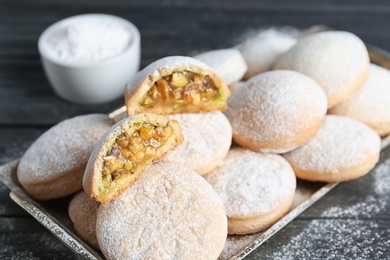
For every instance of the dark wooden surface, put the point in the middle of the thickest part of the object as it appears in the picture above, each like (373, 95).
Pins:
(352, 222)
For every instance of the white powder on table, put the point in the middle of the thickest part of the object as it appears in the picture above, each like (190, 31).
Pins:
(88, 39)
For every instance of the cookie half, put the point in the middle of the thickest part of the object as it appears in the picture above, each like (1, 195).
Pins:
(125, 151)
(175, 84)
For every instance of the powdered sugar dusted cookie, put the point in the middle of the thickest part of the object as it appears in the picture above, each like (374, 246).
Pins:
(227, 63)
(175, 84)
(207, 139)
(337, 61)
(169, 213)
(82, 211)
(276, 111)
(54, 165)
(370, 104)
(124, 152)
(261, 52)
(343, 149)
(256, 189)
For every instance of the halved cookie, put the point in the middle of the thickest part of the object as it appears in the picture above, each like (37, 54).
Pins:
(125, 151)
(173, 85)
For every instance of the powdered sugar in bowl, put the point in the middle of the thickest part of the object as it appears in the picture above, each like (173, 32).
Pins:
(88, 58)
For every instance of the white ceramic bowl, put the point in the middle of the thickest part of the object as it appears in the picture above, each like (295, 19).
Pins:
(90, 82)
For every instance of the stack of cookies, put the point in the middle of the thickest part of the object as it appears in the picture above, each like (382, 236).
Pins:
(166, 181)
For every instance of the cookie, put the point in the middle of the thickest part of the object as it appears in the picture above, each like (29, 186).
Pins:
(124, 152)
(227, 63)
(173, 85)
(338, 61)
(344, 149)
(169, 213)
(256, 189)
(82, 212)
(207, 139)
(370, 104)
(54, 165)
(276, 111)
(261, 51)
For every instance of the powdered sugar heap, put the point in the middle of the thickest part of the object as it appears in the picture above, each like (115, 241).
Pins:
(207, 139)
(170, 212)
(333, 59)
(340, 144)
(252, 184)
(370, 104)
(88, 39)
(63, 147)
(276, 106)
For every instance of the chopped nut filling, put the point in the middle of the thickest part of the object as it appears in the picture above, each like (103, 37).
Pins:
(131, 150)
(181, 88)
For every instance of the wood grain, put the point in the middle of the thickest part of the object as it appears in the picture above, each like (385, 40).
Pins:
(352, 222)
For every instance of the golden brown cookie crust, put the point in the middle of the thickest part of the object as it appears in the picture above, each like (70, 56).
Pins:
(138, 86)
(93, 179)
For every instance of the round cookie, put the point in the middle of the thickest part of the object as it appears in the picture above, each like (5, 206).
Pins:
(227, 63)
(343, 149)
(169, 213)
(337, 61)
(82, 211)
(256, 189)
(276, 111)
(261, 51)
(53, 166)
(207, 139)
(370, 104)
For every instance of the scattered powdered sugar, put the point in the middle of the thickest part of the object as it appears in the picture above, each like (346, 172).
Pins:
(207, 139)
(227, 63)
(261, 51)
(234, 244)
(63, 147)
(329, 239)
(370, 104)
(170, 212)
(252, 184)
(88, 39)
(374, 203)
(276, 107)
(334, 59)
(349, 236)
(341, 143)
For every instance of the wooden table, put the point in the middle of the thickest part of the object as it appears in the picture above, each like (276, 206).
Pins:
(352, 222)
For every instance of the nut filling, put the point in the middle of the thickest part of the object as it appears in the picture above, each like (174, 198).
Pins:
(130, 150)
(182, 88)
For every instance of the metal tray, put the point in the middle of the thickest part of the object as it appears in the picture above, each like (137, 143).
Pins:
(53, 214)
